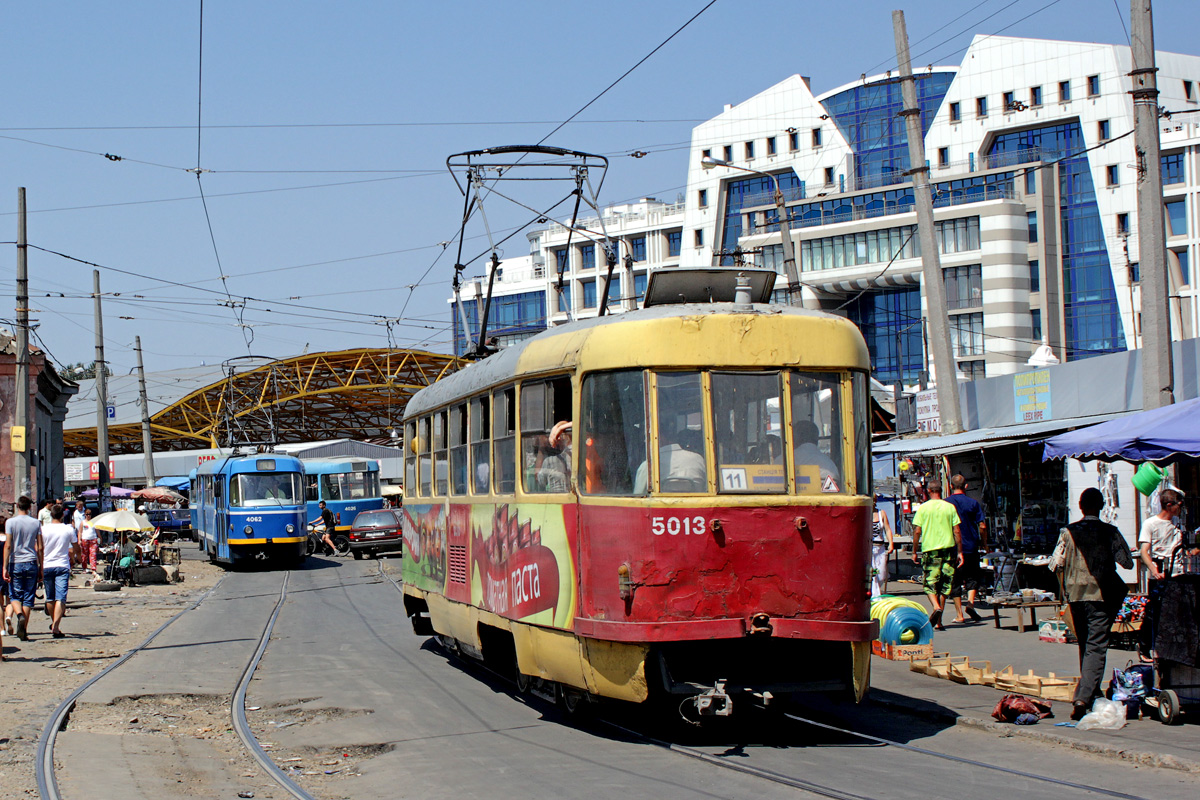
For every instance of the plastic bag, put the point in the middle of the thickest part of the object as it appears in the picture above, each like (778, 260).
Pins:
(1106, 715)
(1128, 683)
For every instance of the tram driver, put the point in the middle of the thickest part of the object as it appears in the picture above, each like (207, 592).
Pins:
(681, 465)
(809, 453)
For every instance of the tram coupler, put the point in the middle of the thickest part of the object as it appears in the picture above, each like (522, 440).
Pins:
(714, 702)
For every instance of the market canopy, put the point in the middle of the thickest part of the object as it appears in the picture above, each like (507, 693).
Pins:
(115, 491)
(180, 483)
(159, 494)
(1160, 434)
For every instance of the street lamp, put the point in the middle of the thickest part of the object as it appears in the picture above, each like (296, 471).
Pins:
(789, 253)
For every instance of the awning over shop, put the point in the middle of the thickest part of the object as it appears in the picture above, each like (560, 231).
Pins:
(179, 483)
(982, 437)
(1156, 435)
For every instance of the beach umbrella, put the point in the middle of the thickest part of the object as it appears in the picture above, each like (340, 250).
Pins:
(158, 494)
(126, 521)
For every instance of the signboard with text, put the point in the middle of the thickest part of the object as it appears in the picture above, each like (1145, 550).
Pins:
(1031, 396)
(73, 471)
(94, 469)
(928, 418)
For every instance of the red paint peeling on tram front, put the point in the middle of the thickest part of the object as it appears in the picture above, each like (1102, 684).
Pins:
(693, 582)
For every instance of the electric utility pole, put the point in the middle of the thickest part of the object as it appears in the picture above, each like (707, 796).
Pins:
(931, 265)
(147, 452)
(101, 403)
(1158, 377)
(20, 426)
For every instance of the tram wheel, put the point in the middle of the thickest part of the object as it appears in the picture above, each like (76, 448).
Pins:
(1168, 707)
(523, 680)
(570, 700)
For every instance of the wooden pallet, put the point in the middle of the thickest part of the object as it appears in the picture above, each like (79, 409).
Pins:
(1050, 687)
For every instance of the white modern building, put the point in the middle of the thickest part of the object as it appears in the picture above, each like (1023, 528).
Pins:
(1035, 175)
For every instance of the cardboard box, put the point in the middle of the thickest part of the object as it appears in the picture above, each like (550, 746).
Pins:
(901, 652)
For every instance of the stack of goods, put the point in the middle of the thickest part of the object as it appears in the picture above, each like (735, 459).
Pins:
(901, 622)
(1133, 609)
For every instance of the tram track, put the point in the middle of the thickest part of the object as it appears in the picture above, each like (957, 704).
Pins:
(776, 777)
(47, 781)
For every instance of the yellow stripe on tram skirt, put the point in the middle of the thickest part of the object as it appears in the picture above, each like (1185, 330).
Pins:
(279, 540)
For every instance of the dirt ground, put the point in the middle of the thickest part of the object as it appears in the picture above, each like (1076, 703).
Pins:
(100, 627)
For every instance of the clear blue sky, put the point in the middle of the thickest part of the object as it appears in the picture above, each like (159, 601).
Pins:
(326, 129)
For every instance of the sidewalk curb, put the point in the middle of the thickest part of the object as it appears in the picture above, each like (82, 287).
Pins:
(1142, 757)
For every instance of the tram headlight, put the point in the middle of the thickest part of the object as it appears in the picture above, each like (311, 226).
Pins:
(290, 528)
(247, 530)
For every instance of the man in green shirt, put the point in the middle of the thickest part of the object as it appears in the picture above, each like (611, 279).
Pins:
(937, 537)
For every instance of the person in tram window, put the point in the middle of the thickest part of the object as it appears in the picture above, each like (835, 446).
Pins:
(553, 464)
(808, 452)
(681, 465)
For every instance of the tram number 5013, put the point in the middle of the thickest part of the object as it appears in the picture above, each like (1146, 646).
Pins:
(675, 526)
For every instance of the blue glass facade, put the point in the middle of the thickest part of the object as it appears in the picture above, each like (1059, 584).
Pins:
(521, 314)
(890, 321)
(1093, 324)
(736, 195)
(868, 116)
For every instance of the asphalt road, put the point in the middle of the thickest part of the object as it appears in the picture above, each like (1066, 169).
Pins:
(355, 705)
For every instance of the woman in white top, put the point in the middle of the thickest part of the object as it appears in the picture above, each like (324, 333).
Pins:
(88, 541)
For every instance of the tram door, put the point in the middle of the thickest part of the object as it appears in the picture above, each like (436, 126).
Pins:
(221, 535)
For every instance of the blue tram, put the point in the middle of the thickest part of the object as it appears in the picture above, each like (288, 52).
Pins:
(249, 508)
(347, 485)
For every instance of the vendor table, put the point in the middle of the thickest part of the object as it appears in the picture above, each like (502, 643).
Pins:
(1021, 608)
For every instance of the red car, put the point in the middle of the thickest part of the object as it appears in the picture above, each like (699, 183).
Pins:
(375, 532)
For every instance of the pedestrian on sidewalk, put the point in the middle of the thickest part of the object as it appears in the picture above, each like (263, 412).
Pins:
(937, 544)
(22, 567)
(1087, 555)
(1158, 540)
(89, 544)
(60, 549)
(882, 544)
(43, 516)
(974, 541)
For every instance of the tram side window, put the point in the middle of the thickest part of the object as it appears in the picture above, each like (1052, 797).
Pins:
(818, 445)
(546, 436)
(862, 438)
(747, 430)
(458, 449)
(481, 453)
(680, 460)
(410, 457)
(504, 444)
(613, 431)
(441, 468)
(424, 471)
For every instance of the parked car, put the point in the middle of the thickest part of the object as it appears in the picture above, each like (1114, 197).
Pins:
(374, 532)
(175, 523)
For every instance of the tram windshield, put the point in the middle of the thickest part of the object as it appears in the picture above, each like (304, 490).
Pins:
(265, 489)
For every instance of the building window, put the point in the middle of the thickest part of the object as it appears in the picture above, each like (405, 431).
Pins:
(1035, 276)
(1135, 275)
(589, 293)
(706, 154)
(749, 149)
(1010, 101)
(816, 137)
(1033, 232)
(964, 287)
(1172, 169)
(973, 370)
(829, 176)
(639, 288)
(1035, 96)
(1112, 175)
(955, 112)
(1182, 255)
(564, 299)
(981, 106)
(702, 198)
(1064, 91)
(956, 235)
(1031, 181)
(794, 141)
(561, 262)
(943, 157)
(1035, 327)
(1122, 224)
(1103, 130)
(770, 145)
(1187, 91)
(637, 248)
(966, 334)
(729, 152)
(674, 243)
(698, 237)
(1093, 85)
(587, 256)
(1177, 218)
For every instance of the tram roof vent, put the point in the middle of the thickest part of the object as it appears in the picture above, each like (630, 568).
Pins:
(706, 285)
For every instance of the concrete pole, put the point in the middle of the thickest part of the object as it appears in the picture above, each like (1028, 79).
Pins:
(147, 449)
(931, 265)
(21, 384)
(101, 402)
(1157, 369)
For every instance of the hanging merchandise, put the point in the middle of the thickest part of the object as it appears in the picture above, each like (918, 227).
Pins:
(1147, 478)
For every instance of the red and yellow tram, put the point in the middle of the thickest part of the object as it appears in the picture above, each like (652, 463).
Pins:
(674, 500)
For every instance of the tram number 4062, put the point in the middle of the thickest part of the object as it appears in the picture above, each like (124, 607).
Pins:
(675, 526)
